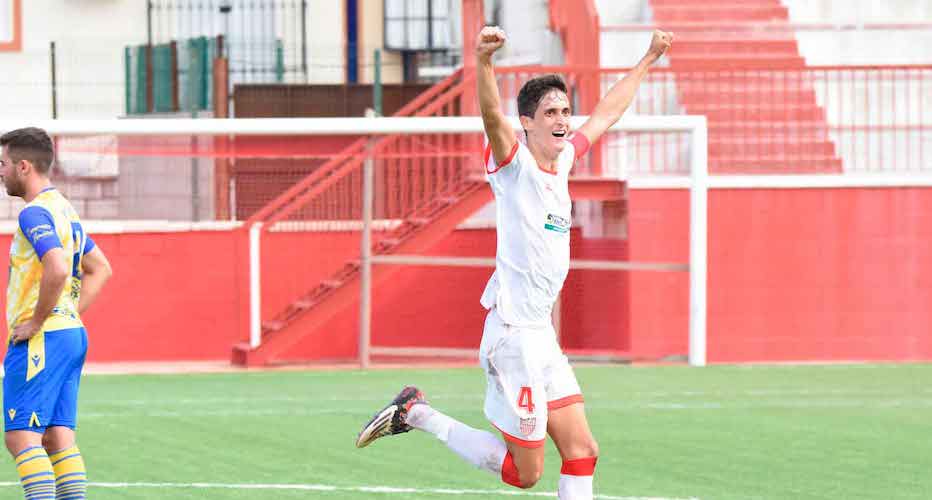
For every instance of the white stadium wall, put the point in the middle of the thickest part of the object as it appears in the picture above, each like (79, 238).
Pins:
(89, 37)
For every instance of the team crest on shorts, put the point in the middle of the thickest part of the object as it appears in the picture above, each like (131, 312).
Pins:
(528, 425)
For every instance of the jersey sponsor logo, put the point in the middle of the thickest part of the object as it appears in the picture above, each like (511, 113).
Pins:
(557, 223)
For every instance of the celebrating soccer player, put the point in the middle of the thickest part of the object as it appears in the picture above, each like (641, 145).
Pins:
(532, 390)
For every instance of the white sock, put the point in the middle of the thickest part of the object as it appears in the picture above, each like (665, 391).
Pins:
(480, 448)
(574, 487)
(424, 417)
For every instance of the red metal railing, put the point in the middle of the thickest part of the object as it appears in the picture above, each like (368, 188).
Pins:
(810, 119)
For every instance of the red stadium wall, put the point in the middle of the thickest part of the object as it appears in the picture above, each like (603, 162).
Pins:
(807, 274)
(803, 274)
(439, 307)
(172, 297)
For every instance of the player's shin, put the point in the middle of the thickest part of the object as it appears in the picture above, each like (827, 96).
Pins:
(35, 473)
(480, 448)
(70, 474)
(576, 479)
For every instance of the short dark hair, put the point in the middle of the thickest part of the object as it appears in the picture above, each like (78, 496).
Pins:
(31, 144)
(534, 90)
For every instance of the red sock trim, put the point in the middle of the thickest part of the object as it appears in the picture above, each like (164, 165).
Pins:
(510, 472)
(578, 466)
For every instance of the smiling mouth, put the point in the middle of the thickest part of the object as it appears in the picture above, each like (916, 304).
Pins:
(559, 133)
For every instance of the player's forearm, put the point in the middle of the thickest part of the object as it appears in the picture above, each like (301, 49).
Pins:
(489, 100)
(50, 289)
(91, 285)
(619, 97)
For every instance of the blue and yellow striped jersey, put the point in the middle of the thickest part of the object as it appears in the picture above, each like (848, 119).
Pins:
(49, 221)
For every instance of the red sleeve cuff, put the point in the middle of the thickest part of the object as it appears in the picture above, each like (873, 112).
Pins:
(506, 161)
(580, 144)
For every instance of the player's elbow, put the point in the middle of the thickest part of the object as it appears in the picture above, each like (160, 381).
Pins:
(97, 265)
(104, 271)
(57, 274)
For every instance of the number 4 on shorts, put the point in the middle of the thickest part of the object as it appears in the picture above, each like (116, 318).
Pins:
(525, 400)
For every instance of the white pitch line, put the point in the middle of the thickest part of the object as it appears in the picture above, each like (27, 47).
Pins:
(362, 489)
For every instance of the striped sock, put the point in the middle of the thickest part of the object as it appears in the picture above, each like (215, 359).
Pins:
(70, 474)
(35, 473)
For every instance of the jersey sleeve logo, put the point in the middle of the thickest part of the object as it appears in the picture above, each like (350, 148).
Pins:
(39, 232)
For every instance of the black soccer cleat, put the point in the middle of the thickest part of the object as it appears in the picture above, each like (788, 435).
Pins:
(391, 419)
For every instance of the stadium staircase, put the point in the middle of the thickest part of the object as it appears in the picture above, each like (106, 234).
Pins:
(751, 85)
(420, 228)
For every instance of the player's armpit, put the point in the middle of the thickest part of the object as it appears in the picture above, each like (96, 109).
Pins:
(492, 168)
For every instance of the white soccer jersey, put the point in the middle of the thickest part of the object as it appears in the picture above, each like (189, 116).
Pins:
(532, 218)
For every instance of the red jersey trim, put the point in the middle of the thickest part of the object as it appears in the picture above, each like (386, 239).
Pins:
(580, 144)
(556, 404)
(521, 442)
(544, 170)
(488, 154)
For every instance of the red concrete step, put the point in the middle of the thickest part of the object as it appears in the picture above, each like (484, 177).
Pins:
(700, 3)
(735, 62)
(706, 47)
(729, 31)
(753, 147)
(775, 136)
(773, 165)
(719, 13)
(760, 78)
(787, 129)
(746, 95)
(731, 112)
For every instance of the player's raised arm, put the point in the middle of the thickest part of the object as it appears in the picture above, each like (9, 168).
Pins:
(95, 272)
(501, 135)
(616, 101)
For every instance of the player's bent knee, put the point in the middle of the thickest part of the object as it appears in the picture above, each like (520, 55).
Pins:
(529, 478)
(523, 477)
(584, 449)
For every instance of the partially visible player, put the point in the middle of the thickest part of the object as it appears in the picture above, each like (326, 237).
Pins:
(56, 272)
(532, 390)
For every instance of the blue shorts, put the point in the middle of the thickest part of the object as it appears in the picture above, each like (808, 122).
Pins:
(41, 379)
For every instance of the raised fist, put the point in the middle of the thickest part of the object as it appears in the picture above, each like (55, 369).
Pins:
(660, 42)
(490, 39)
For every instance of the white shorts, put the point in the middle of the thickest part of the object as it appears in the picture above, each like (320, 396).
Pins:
(527, 375)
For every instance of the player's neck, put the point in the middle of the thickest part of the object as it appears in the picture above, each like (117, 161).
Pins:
(546, 162)
(36, 186)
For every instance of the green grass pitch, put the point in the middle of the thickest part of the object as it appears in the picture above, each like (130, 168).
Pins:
(666, 432)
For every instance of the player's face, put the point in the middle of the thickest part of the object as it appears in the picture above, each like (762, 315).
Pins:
(551, 124)
(9, 174)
